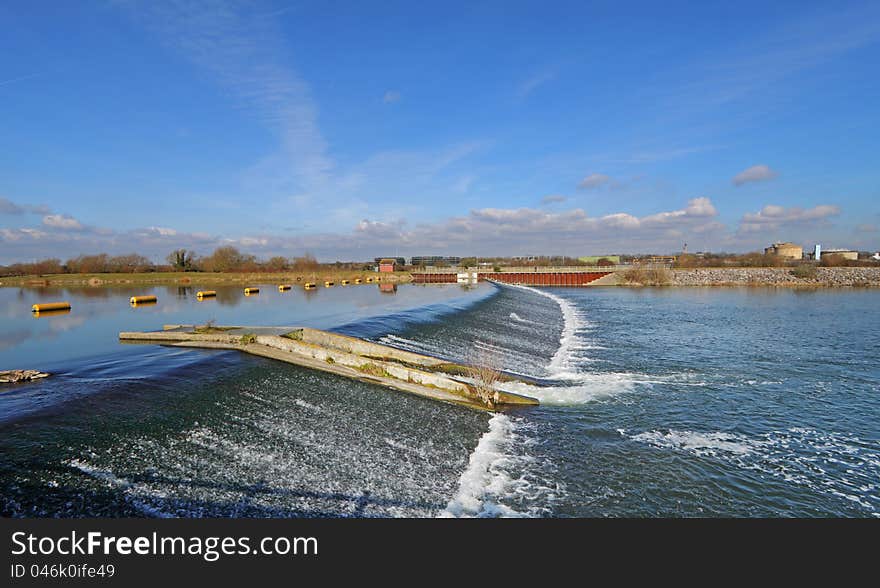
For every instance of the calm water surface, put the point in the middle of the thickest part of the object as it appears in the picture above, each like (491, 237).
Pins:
(657, 402)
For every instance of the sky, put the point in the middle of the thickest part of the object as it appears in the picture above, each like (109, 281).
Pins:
(352, 130)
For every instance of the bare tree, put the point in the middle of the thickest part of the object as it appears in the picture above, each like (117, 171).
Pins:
(486, 376)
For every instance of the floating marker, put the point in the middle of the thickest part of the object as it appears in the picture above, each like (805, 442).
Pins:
(206, 294)
(283, 287)
(345, 282)
(369, 280)
(40, 314)
(328, 283)
(249, 291)
(310, 285)
(143, 300)
(357, 280)
(48, 306)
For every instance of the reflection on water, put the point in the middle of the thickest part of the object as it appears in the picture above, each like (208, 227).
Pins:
(48, 313)
(60, 340)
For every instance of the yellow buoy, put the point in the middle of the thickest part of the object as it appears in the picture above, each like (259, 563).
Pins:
(283, 287)
(369, 280)
(43, 307)
(345, 282)
(249, 291)
(310, 285)
(357, 280)
(328, 283)
(206, 293)
(143, 299)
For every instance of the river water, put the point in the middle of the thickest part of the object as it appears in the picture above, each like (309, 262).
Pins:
(655, 402)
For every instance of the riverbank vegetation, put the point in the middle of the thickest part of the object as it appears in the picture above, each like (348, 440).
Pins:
(224, 265)
(646, 276)
(222, 260)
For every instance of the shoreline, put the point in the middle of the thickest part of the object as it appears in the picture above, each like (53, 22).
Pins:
(777, 277)
(200, 278)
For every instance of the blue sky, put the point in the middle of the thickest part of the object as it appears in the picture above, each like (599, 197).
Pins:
(356, 129)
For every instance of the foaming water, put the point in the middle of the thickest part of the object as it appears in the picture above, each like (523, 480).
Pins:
(563, 363)
(840, 465)
(501, 474)
(627, 374)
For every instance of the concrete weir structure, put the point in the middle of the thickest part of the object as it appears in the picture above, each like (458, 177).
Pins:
(534, 276)
(366, 361)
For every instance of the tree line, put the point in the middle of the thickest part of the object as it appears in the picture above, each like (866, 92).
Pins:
(223, 259)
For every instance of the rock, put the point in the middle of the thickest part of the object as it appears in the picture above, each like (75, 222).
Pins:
(15, 376)
(777, 276)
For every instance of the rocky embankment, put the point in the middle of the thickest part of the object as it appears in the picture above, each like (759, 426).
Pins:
(776, 276)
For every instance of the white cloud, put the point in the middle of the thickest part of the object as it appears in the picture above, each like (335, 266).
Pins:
(756, 173)
(593, 181)
(391, 96)
(163, 231)
(773, 217)
(248, 55)
(60, 221)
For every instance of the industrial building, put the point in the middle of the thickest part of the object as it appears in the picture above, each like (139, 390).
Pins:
(786, 250)
(399, 261)
(818, 253)
(434, 260)
(594, 259)
(844, 253)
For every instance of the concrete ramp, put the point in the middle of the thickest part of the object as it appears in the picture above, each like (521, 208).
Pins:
(350, 357)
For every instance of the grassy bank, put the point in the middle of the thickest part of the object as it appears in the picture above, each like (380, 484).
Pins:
(202, 278)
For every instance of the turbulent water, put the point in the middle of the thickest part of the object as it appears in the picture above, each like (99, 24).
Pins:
(654, 402)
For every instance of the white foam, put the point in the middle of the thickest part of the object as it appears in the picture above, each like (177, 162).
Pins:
(562, 364)
(838, 464)
(486, 479)
(599, 386)
(135, 494)
(405, 448)
(519, 319)
(699, 443)
(409, 345)
(306, 405)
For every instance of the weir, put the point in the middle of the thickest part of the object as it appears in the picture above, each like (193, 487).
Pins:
(422, 375)
(525, 277)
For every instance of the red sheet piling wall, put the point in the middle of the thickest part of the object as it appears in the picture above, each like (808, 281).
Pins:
(571, 279)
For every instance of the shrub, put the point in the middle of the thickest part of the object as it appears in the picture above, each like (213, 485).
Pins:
(650, 276)
(804, 272)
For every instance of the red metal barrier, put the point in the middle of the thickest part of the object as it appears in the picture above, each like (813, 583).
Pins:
(566, 279)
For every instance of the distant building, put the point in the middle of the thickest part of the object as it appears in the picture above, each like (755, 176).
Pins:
(594, 259)
(876, 256)
(400, 261)
(387, 265)
(786, 250)
(844, 253)
(434, 260)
